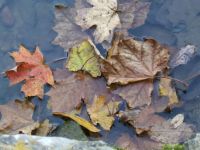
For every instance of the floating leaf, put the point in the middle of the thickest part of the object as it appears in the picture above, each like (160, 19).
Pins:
(83, 57)
(106, 18)
(79, 120)
(137, 94)
(69, 34)
(17, 118)
(31, 68)
(73, 88)
(102, 112)
(130, 60)
(166, 89)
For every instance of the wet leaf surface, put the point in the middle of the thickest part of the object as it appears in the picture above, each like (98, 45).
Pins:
(31, 68)
(102, 112)
(16, 117)
(130, 60)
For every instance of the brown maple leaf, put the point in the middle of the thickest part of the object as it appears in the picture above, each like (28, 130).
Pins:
(73, 88)
(130, 60)
(31, 68)
(17, 117)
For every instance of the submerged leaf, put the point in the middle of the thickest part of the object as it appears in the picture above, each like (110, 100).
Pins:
(31, 68)
(79, 120)
(167, 90)
(17, 118)
(102, 112)
(137, 94)
(69, 34)
(130, 60)
(83, 57)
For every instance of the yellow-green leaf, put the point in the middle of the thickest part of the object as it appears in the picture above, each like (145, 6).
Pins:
(79, 120)
(166, 89)
(102, 112)
(83, 57)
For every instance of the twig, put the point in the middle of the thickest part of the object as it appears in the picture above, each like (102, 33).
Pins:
(195, 75)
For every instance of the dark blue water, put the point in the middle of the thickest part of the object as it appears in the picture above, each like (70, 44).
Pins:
(175, 23)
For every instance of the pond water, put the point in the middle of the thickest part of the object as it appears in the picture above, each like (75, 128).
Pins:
(175, 23)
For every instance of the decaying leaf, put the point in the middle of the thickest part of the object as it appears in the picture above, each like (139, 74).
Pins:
(31, 68)
(132, 13)
(137, 94)
(158, 128)
(130, 60)
(166, 89)
(102, 112)
(69, 34)
(45, 128)
(182, 56)
(127, 142)
(177, 120)
(166, 133)
(103, 15)
(111, 15)
(73, 88)
(83, 57)
(16, 117)
(79, 120)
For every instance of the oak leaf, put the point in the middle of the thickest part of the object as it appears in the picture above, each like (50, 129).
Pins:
(130, 60)
(102, 112)
(73, 88)
(31, 68)
(17, 118)
(83, 57)
(79, 120)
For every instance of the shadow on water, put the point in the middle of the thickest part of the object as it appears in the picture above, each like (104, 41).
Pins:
(30, 22)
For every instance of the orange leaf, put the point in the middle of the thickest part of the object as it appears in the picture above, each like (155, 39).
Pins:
(30, 67)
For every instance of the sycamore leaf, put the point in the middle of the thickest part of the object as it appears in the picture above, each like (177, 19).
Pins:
(17, 118)
(31, 68)
(69, 34)
(83, 57)
(137, 94)
(106, 18)
(73, 88)
(166, 89)
(79, 120)
(102, 112)
(130, 60)
(111, 15)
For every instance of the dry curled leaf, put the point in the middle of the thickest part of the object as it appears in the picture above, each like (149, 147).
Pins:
(86, 124)
(102, 112)
(130, 60)
(69, 34)
(16, 117)
(31, 68)
(73, 88)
